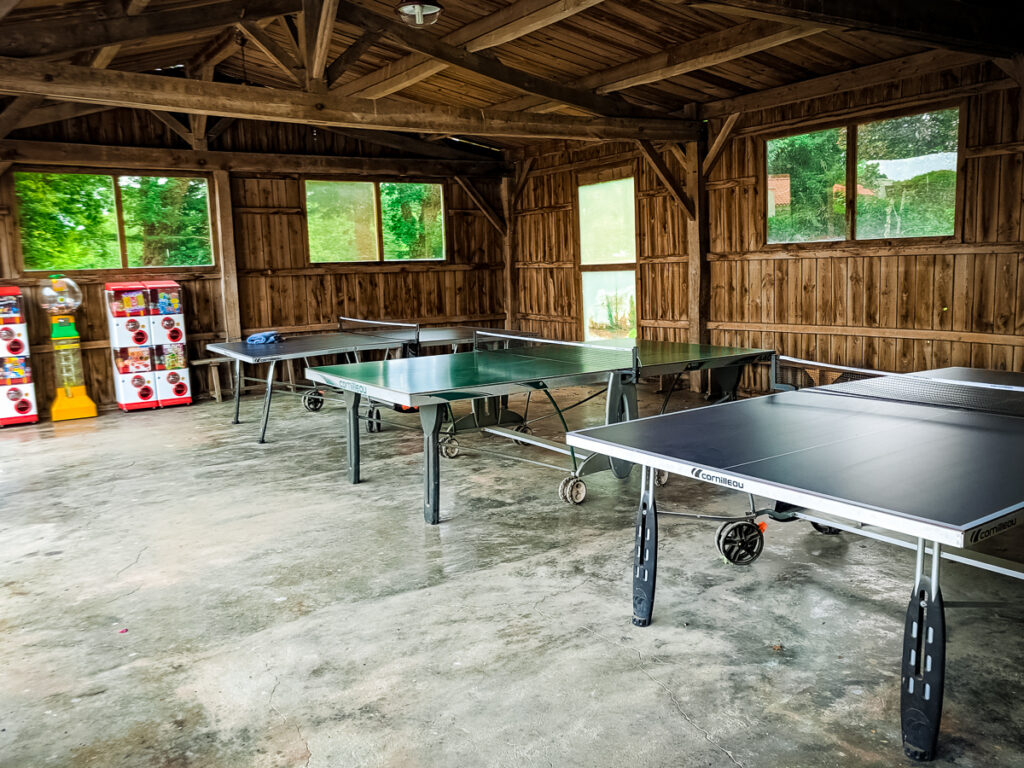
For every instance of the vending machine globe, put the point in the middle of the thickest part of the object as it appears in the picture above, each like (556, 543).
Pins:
(60, 297)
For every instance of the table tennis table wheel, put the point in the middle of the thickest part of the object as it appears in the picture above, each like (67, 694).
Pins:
(523, 429)
(312, 401)
(449, 447)
(374, 423)
(828, 530)
(660, 477)
(572, 490)
(740, 542)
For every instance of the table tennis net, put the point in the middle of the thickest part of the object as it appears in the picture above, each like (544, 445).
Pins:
(910, 388)
(586, 356)
(383, 329)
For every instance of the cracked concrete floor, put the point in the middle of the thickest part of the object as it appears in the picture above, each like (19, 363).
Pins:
(176, 595)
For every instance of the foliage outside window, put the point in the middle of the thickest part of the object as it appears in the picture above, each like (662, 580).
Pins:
(608, 237)
(72, 221)
(371, 221)
(905, 180)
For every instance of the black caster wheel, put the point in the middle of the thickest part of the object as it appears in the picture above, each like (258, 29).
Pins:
(660, 477)
(740, 542)
(449, 447)
(523, 429)
(374, 423)
(828, 530)
(312, 401)
(574, 490)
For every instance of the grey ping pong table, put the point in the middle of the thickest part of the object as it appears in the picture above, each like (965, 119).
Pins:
(501, 365)
(932, 461)
(403, 339)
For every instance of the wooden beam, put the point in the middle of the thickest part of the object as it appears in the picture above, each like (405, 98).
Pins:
(504, 25)
(172, 94)
(719, 143)
(749, 13)
(522, 176)
(319, 48)
(135, 158)
(352, 54)
(675, 189)
(57, 112)
(697, 246)
(951, 24)
(1014, 67)
(481, 202)
(508, 245)
(677, 151)
(174, 124)
(224, 233)
(407, 143)
(105, 55)
(707, 51)
(221, 47)
(487, 66)
(82, 31)
(914, 65)
(16, 111)
(212, 134)
(6, 6)
(277, 53)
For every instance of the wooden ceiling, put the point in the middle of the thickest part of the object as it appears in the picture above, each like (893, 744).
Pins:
(563, 68)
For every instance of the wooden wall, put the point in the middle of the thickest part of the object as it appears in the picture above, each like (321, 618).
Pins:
(895, 305)
(277, 286)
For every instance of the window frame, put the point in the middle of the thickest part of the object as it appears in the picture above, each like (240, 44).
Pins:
(851, 124)
(376, 182)
(601, 175)
(124, 267)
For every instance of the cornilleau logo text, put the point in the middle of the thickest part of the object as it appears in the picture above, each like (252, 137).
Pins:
(708, 477)
(984, 533)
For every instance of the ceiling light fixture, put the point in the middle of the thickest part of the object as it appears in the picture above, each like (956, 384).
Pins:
(418, 14)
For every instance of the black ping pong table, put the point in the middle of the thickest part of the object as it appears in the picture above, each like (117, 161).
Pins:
(933, 461)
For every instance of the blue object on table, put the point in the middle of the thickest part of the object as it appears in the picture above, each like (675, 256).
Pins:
(268, 337)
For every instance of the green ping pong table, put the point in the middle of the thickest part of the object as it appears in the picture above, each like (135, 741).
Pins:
(501, 365)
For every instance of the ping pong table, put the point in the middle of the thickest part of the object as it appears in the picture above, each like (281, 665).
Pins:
(403, 339)
(501, 365)
(930, 461)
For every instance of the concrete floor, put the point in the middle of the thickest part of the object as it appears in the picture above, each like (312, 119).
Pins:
(176, 595)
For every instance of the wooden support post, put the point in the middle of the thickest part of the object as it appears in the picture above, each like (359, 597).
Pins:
(719, 144)
(224, 231)
(675, 189)
(508, 195)
(697, 237)
(17, 111)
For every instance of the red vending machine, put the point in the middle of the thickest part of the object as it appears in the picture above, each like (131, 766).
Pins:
(130, 340)
(170, 360)
(17, 393)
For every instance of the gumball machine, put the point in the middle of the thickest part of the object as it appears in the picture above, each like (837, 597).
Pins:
(60, 297)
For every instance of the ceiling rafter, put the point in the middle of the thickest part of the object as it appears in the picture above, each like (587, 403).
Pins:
(512, 22)
(172, 94)
(487, 66)
(369, 38)
(280, 56)
(83, 31)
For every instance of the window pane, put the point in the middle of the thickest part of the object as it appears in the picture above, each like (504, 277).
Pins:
(413, 219)
(906, 176)
(67, 221)
(609, 305)
(608, 223)
(807, 187)
(341, 220)
(166, 221)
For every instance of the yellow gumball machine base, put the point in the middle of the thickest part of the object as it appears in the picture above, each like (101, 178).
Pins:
(72, 403)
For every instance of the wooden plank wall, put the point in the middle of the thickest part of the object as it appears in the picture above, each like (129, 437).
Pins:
(892, 305)
(278, 288)
(546, 285)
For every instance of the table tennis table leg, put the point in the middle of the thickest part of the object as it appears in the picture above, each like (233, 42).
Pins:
(238, 388)
(266, 401)
(645, 558)
(430, 420)
(352, 434)
(924, 661)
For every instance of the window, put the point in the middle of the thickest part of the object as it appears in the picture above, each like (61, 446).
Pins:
(371, 221)
(608, 240)
(905, 177)
(98, 221)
